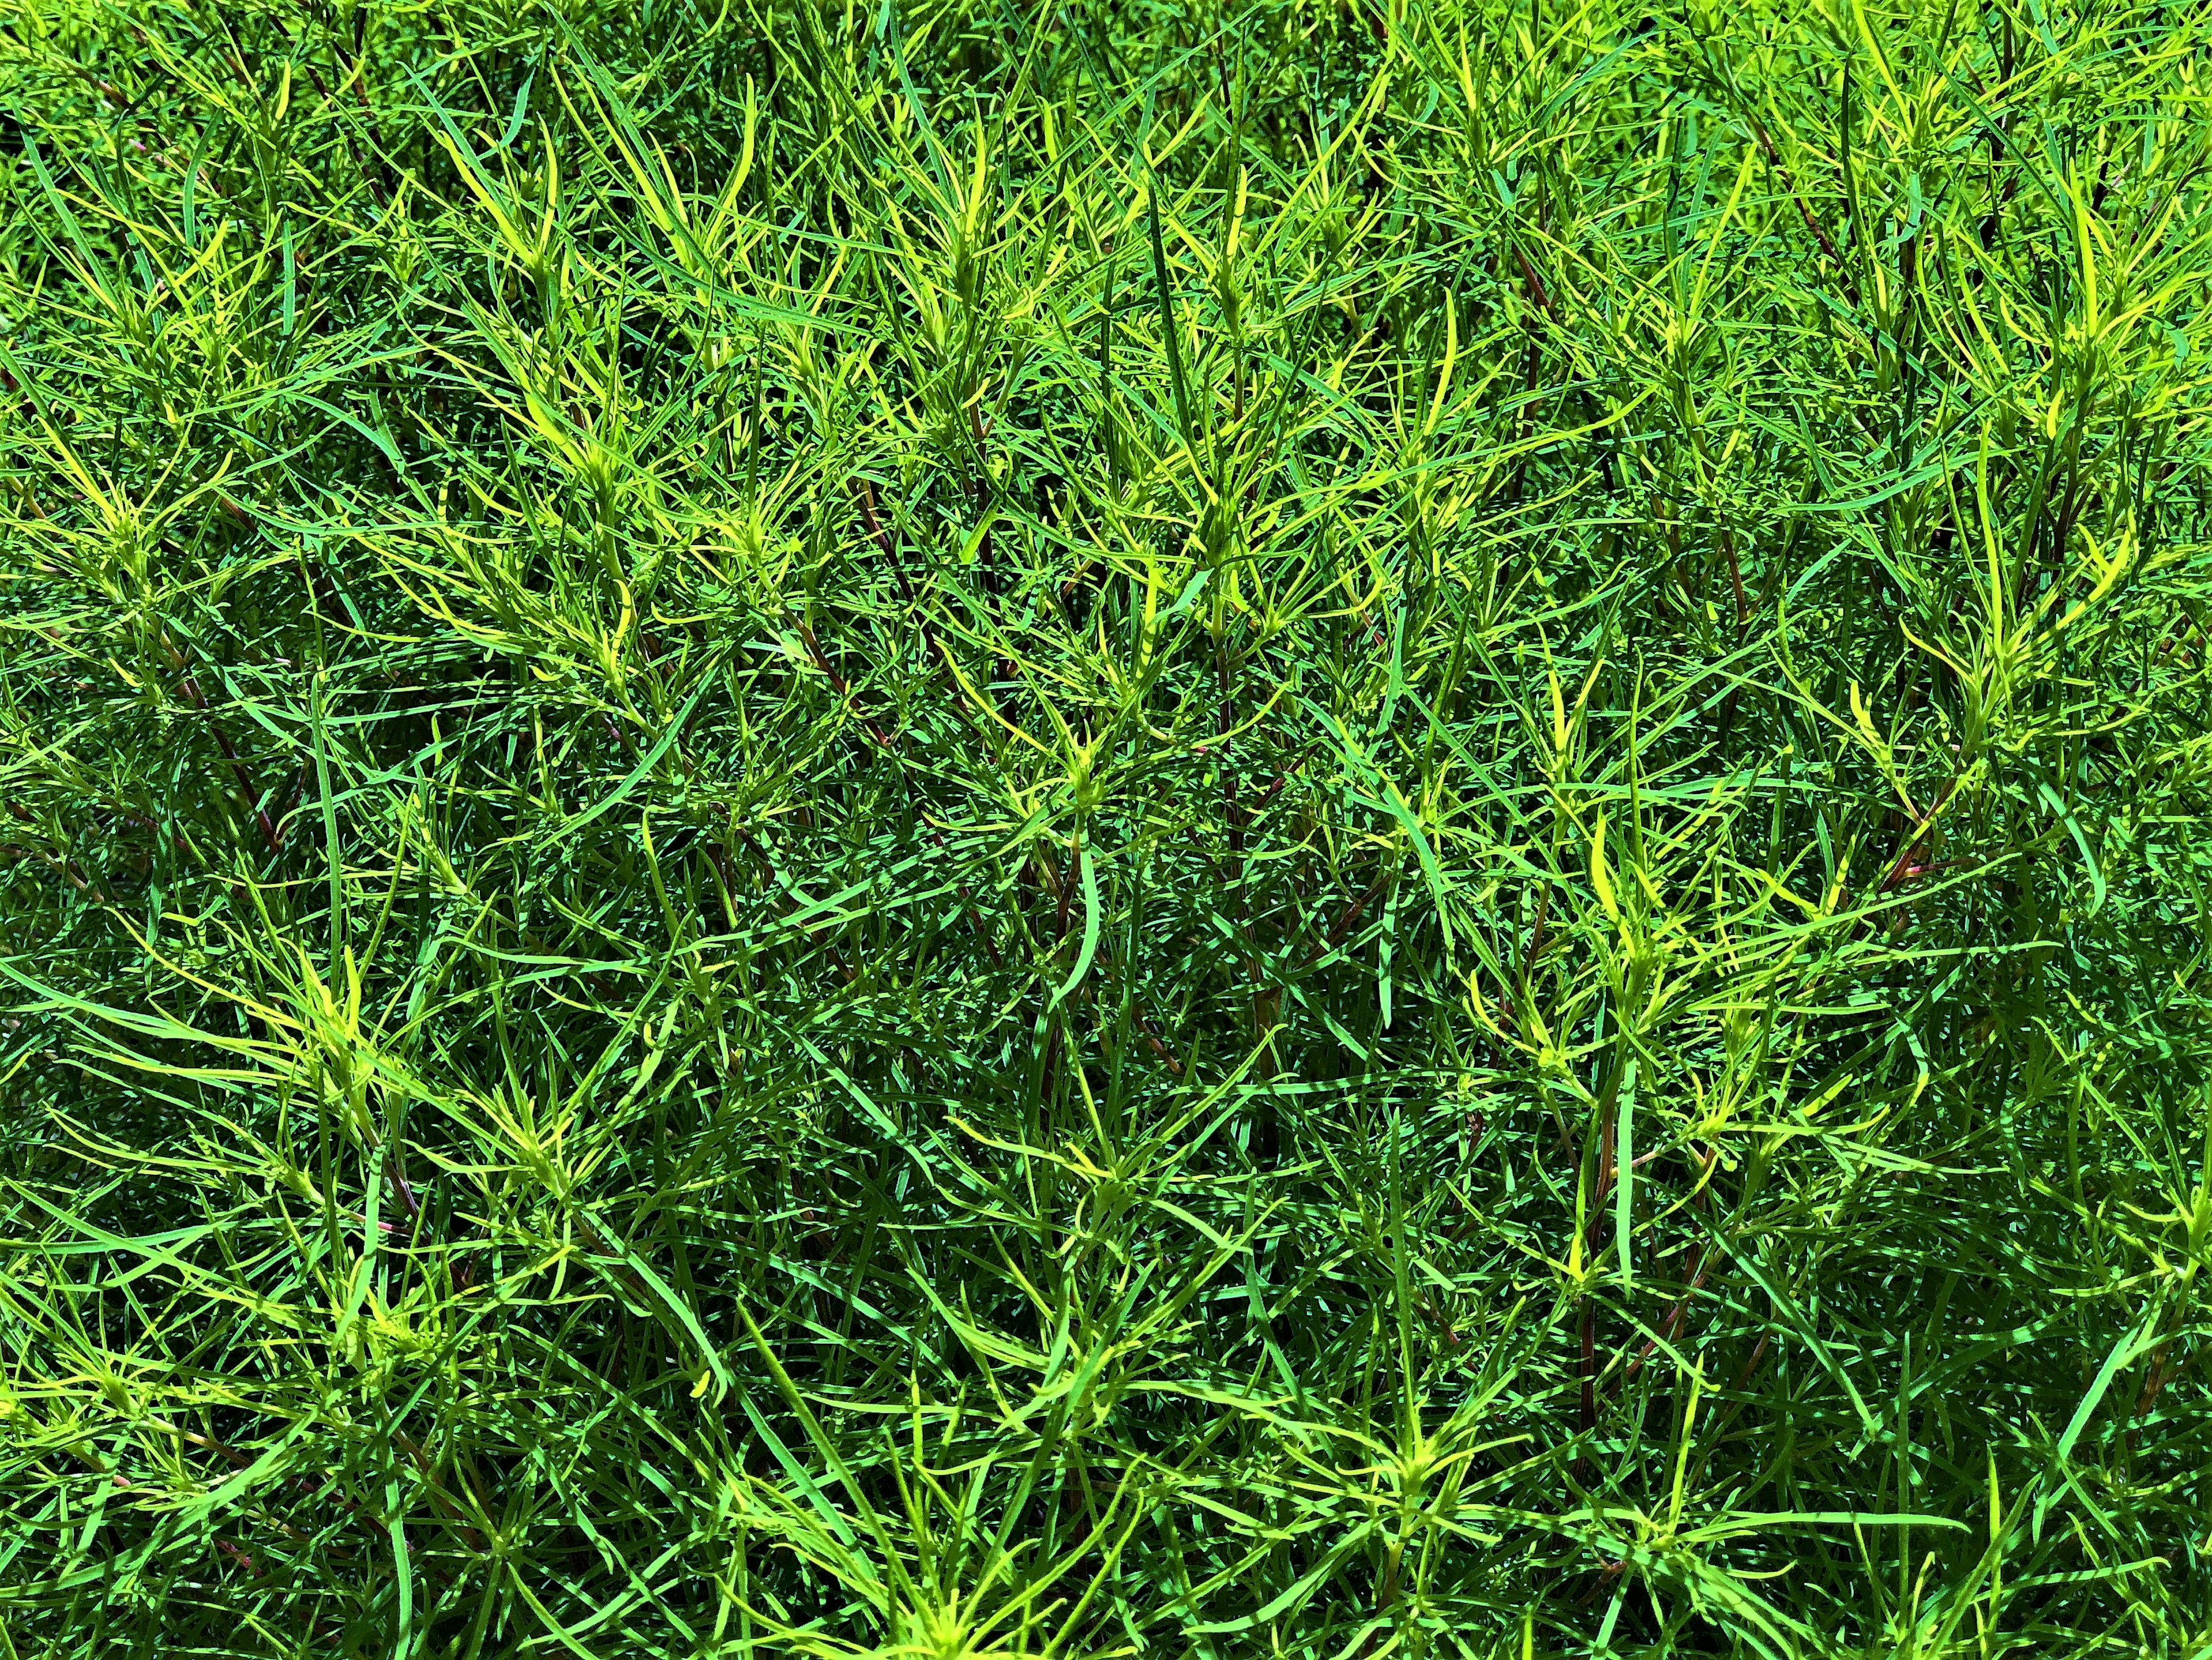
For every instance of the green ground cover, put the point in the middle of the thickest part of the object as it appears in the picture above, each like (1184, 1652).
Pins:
(1329, 831)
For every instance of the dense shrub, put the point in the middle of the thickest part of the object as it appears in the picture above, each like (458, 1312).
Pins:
(1330, 830)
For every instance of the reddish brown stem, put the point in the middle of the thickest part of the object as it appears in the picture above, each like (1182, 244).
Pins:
(837, 680)
(1782, 170)
(269, 831)
(865, 492)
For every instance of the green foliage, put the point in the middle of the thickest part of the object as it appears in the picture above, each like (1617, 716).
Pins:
(1333, 830)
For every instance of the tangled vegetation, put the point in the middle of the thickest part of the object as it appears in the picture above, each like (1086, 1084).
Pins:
(1344, 829)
